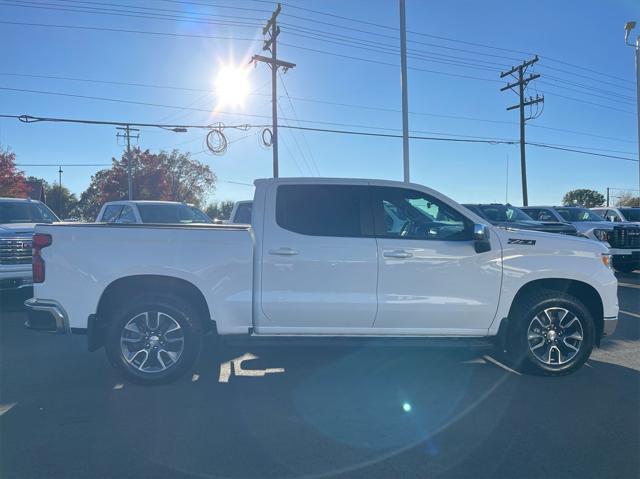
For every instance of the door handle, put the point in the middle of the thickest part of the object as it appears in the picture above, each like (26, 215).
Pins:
(283, 251)
(397, 254)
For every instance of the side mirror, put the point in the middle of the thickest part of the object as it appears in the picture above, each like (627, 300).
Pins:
(481, 235)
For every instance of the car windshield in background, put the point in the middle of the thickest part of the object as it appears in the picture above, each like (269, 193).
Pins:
(578, 214)
(499, 213)
(631, 214)
(23, 212)
(171, 214)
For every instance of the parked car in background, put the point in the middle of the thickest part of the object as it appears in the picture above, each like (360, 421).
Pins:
(241, 212)
(140, 211)
(623, 239)
(325, 258)
(508, 216)
(18, 218)
(622, 214)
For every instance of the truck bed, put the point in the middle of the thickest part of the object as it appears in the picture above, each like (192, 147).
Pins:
(84, 260)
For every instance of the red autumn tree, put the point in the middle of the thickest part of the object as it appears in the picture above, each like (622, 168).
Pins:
(166, 176)
(12, 181)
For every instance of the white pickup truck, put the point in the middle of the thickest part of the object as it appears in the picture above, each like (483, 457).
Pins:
(324, 258)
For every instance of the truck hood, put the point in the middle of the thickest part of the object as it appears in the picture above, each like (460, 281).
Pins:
(17, 228)
(547, 227)
(512, 238)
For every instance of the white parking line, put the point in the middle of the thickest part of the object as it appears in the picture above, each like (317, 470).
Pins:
(118, 386)
(500, 365)
(629, 285)
(630, 314)
(4, 408)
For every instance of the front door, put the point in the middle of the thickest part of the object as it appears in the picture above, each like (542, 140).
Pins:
(319, 264)
(430, 278)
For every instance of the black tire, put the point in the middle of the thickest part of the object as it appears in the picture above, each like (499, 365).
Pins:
(170, 310)
(525, 350)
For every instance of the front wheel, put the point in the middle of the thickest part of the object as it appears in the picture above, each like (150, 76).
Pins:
(554, 334)
(154, 339)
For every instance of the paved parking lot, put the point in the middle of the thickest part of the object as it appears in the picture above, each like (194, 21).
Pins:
(346, 411)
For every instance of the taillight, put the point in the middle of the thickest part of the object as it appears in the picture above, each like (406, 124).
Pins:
(37, 263)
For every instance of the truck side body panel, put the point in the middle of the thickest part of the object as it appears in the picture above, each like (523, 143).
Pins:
(85, 259)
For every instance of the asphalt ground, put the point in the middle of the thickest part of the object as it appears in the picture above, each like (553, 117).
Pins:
(365, 411)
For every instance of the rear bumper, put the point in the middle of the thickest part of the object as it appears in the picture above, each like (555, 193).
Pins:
(46, 315)
(609, 326)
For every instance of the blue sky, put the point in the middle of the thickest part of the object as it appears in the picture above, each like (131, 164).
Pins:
(447, 36)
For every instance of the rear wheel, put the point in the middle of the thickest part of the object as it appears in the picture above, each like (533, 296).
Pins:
(554, 334)
(154, 339)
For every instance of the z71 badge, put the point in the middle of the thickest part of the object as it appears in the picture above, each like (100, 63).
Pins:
(521, 241)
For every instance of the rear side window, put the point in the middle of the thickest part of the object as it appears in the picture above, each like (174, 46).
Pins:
(126, 216)
(324, 210)
(111, 213)
(243, 213)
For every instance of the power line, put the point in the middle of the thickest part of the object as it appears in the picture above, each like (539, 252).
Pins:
(31, 119)
(310, 100)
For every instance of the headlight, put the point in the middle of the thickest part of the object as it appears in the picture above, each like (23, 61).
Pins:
(606, 260)
(602, 235)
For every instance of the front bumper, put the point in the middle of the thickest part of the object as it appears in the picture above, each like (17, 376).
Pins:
(609, 326)
(15, 277)
(46, 315)
(627, 253)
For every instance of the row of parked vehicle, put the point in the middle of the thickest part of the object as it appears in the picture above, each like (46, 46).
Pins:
(619, 227)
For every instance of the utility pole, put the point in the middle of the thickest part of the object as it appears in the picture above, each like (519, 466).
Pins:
(607, 196)
(521, 83)
(627, 28)
(270, 44)
(405, 93)
(127, 135)
(60, 190)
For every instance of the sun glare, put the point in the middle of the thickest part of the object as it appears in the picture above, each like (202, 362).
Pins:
(232, 86)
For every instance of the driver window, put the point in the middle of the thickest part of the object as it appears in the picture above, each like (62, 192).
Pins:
(408, 214)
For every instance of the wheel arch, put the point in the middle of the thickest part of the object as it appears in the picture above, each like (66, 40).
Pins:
(136, 285)
(584, 292)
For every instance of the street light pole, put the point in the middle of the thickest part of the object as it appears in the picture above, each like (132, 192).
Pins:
(628, 27)
(405, 93)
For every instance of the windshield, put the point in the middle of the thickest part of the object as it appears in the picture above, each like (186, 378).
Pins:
(500, 213)
(579, 214)
(25, 212)
(171, 213)
(631, 214)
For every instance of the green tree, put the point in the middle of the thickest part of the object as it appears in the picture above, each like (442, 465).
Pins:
(583, 197)
(168, 176)
(12, 181)
(627, 199)
(219, 210)
(62, 201)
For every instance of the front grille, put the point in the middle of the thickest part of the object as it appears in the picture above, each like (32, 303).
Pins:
(15, 250)
(624, 237)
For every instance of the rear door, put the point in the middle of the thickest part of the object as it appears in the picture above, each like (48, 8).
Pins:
(319, 259)
(430, 278)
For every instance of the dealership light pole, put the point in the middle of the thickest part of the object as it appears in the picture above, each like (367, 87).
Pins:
(627, 30)
(405, 96)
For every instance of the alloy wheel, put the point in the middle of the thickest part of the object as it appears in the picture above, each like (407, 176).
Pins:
(555, 336)
(152, 342)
